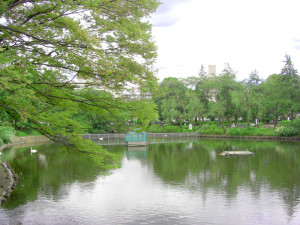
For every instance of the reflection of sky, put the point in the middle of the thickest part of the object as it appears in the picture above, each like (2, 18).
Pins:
(133, 194)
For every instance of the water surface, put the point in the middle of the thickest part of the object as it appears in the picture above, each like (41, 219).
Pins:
(170, 183)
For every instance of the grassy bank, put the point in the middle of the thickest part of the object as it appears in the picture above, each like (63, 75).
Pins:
(7, 134)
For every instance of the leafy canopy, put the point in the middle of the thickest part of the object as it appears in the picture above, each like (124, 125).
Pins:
(45, 45)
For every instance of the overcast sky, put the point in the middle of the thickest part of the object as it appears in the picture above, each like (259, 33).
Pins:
(247, 34)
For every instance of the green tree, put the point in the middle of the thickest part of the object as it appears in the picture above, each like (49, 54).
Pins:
(274, 97)
(44, 45)
(174, 101)
(194, 108)
(221, 88)
(247, 98)
(253, 84)
(290, 82)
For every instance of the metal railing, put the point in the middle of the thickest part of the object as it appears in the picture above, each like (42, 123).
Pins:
(119, 139)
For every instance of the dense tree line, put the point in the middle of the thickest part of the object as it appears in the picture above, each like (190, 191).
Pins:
(224, 99)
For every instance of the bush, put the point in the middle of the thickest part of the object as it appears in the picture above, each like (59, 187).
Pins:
(155, 128)
(251, 131)
(235, 131)
(285, 122)
(7, 134)
(296, 124)
(287, 128)
(1, 142)
(286, 131)
(172, 129)
(211, 130)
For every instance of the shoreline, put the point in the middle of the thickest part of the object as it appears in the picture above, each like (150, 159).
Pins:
(9, 180)
(279, 138)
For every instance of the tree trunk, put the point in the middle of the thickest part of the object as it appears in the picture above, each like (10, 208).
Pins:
(292, 116)
(276, 120)
(228, 120)
(248, 117)
(223, 127)
(236, 119)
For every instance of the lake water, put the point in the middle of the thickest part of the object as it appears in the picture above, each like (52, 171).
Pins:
(171, 183)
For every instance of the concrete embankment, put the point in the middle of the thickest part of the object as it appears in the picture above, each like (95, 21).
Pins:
(29, 139)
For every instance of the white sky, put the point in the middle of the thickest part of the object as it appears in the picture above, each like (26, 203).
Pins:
(247, 34)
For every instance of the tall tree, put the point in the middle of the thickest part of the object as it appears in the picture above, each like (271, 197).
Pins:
(174, 101)
(290, 82)
(220, 90)
(274, 97)
(253, 84)
(44, 45)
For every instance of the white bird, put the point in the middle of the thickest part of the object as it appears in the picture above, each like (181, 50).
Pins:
(101, 139)
(32, 150)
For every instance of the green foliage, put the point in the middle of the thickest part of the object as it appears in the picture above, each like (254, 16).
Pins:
(46, 45)
(286, 131)
(296, 124)
(289, 129)
(155, 128)
(285, 122)
(23, 133)
(223, 98)
(251, 131)
(172, 129)
(7, 134)
(1, 142)
(211, 130)
(107, 160)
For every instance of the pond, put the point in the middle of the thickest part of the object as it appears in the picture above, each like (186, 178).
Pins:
(166, 183)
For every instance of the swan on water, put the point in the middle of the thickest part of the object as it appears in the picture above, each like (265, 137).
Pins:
(32, 150)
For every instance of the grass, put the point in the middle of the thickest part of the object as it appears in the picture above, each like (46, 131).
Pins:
(23, 133)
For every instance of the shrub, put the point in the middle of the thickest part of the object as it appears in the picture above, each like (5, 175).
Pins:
(211, 130)
(1, 142)
(287, 128)
(7, 134)
(251, 131)
(235, 131)
(285, 122)
(155, 128)
(296, 124)
(286, 131)
(172, 129)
